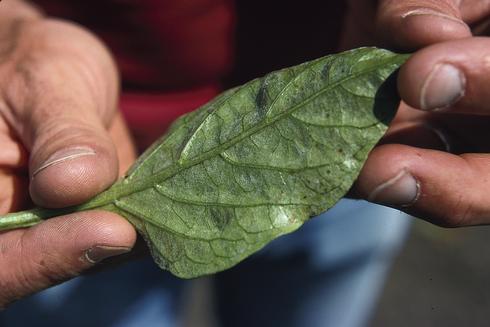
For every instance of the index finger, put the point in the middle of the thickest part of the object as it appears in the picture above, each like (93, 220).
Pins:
(410, 25)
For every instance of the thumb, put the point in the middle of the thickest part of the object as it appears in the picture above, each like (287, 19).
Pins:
(410, 25)
(62, 97)
(58, 249)
(71, 160)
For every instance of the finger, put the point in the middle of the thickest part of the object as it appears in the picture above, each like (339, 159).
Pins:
(13, 154)
(58, 249)
(419, 129)
(474, 11)
(62, 98)
(412, 180)
(417, 134)
(451, 75)
(410, 25)
(13, 196)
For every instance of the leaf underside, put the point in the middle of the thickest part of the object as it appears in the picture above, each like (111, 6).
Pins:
(258, 161)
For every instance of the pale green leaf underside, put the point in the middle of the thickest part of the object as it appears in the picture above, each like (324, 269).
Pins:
(258, 161)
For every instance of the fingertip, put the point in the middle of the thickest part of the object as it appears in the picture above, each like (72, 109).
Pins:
(431, 83)
(449, 75)
(384, 163)
(111, 229)
(407, 28)
(442, 188)
(423, 27)
(73, 175)
(58, 249)
(85, 238)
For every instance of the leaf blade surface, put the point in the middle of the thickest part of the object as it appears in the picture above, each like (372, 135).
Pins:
(258, 161)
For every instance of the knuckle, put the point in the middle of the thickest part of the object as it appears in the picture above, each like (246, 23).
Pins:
(87, 65)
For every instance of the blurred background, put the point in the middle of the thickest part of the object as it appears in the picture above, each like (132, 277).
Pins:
(441, 278)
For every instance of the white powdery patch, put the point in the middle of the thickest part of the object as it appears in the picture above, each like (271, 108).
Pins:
(350, 163)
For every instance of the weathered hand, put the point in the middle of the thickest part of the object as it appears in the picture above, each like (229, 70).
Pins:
(60, 135)
(437, 163)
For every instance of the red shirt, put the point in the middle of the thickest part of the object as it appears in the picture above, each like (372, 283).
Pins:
(173, 54)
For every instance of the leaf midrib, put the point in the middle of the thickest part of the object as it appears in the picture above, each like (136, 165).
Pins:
(124, 187)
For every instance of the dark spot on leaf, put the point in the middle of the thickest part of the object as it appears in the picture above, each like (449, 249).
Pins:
(261, 100)
(326, 72)
(221, 217)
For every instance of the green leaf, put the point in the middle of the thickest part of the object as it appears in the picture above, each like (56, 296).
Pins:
(256, 162)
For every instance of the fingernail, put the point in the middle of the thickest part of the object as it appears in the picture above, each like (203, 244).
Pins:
(401, 190)
(101, 252)
(64, 155)
(433, 13)
(444, 86)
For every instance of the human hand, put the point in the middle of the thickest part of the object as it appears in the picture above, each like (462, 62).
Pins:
(60, 135)
(435, 162)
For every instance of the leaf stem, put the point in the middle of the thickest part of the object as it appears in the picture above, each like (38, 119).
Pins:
(27, 218)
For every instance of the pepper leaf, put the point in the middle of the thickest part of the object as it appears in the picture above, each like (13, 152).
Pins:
(255, 163)
(258, 161)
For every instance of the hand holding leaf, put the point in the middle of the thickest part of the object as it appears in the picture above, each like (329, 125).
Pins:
(254, 163)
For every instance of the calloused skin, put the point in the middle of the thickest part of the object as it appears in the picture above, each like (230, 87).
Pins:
(59, 97)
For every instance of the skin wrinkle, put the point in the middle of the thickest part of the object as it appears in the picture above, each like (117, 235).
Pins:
(103, 98)
(465, 217)
(26, 103)
(455, 220)
(90, 76)
(13, 155)
(45, 273)
(37, 85)
(21, 273)
(55, 128)
(462, 221)
(13, 97)
(457, 213)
